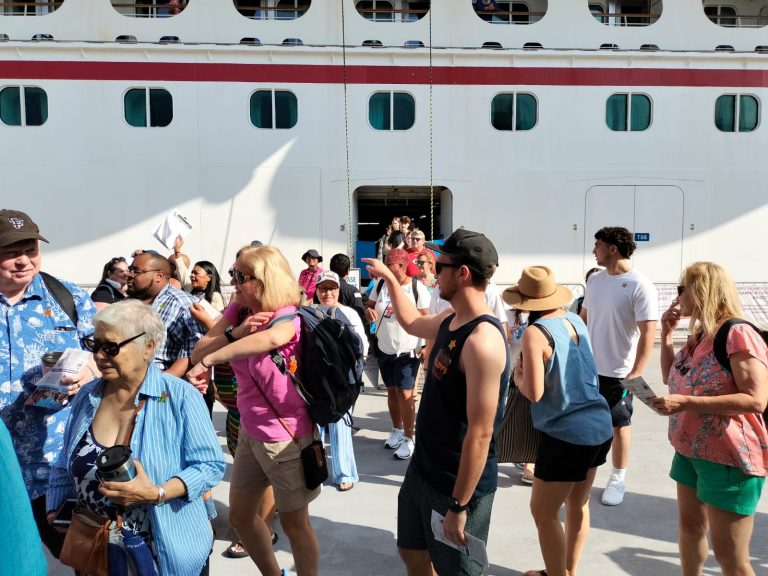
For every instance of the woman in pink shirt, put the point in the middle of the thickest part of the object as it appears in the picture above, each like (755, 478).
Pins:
(308, 277)
(715, 425)
(274, 422)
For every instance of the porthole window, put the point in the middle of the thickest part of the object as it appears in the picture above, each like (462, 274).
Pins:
(737, 113)
(272, 9)
(148, 107)
(391, 111)
(149, 8)
(505, 12)
(628, 112)
(29, 7)
(626, 12)
(392, 10)
(274, 109)
(515, 112)
(23, 106)
(722, 15)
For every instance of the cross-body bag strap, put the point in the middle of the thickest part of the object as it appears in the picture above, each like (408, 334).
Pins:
(272, 407)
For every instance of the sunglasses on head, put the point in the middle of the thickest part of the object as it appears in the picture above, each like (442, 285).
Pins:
(239, 277)
(110, 348)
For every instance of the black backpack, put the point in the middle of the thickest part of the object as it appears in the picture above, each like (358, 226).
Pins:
(331, 363)
(721, 353)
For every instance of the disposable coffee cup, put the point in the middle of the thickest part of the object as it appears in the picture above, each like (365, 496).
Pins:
(116, 464)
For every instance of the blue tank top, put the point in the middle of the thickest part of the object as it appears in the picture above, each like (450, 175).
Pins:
(571, 408)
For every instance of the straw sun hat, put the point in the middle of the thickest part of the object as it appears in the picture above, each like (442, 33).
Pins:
(537, 290)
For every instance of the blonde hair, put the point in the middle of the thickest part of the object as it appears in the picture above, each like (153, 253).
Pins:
(713, 295)
(275, 285)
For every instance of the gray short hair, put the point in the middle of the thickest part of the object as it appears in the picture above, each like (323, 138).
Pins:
(130, 317)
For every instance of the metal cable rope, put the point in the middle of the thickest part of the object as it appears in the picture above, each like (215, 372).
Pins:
(346, 130)
(431, 167)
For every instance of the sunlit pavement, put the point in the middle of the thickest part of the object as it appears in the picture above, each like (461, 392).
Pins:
(356, 529)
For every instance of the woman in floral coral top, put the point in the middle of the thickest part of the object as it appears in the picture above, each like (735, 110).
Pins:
(715, 425)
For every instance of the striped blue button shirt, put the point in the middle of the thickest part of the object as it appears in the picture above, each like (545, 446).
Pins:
(173, 437)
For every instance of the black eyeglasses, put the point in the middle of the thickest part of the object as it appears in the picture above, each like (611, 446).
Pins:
(420, 263)
(110, 348)
(138, 271)
(239, 277)
(440, 265)
(680, 290)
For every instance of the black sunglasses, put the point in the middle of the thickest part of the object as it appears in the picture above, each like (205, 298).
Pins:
(440, 265)
(110, 348)
(680, 290)
(239, 277)
(117, 259)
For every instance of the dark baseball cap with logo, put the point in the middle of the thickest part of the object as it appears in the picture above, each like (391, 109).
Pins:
(16, 226)
(472, 249)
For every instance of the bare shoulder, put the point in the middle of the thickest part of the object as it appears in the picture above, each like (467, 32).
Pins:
(485, 342)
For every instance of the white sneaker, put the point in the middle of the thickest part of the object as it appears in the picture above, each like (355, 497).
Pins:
(613, 495)
(406, 449)
(395, 439)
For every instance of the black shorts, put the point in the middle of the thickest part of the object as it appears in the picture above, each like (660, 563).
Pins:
(415, 503)
(619, 400)
(560, 461)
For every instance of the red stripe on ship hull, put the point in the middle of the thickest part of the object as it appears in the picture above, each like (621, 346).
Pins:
(414, 75)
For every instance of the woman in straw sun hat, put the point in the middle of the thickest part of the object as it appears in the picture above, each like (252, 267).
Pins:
(556, 372)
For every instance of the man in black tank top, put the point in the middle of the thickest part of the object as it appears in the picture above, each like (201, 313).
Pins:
(454, 468)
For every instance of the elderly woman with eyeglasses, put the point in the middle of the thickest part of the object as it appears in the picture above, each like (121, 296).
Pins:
(274, 422)
(715, 425)
(111, 287)
(176, 452)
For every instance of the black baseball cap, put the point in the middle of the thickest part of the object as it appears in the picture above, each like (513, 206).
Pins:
(16, 226)
(472, 249)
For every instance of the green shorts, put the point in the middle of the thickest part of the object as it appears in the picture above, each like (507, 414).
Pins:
(718, 485)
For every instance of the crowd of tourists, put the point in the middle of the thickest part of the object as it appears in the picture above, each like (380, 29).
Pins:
(113, 471)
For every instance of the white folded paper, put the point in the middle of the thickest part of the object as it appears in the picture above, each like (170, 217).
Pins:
(175, 224)
(474, 548)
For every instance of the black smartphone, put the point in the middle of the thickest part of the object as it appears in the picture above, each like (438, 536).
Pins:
(64, 513)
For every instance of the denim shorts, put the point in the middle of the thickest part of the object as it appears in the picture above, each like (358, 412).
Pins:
(398, 371)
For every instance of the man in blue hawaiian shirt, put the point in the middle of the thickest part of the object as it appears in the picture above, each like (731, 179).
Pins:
(32, 323)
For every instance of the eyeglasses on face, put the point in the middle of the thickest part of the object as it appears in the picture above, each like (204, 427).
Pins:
(239, 277)
(440, 265)
(327, 288)
(420, 263)
(110, 348)
(138, 271)
(415, 239)
(680, 290)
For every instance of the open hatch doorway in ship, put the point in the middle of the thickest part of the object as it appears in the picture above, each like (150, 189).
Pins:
(376, 206)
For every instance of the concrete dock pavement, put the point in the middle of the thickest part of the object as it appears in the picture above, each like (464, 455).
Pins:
(356, 529)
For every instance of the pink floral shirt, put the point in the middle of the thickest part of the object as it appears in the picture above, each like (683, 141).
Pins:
(739, 441)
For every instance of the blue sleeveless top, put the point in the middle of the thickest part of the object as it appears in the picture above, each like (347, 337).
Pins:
(571, 408)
